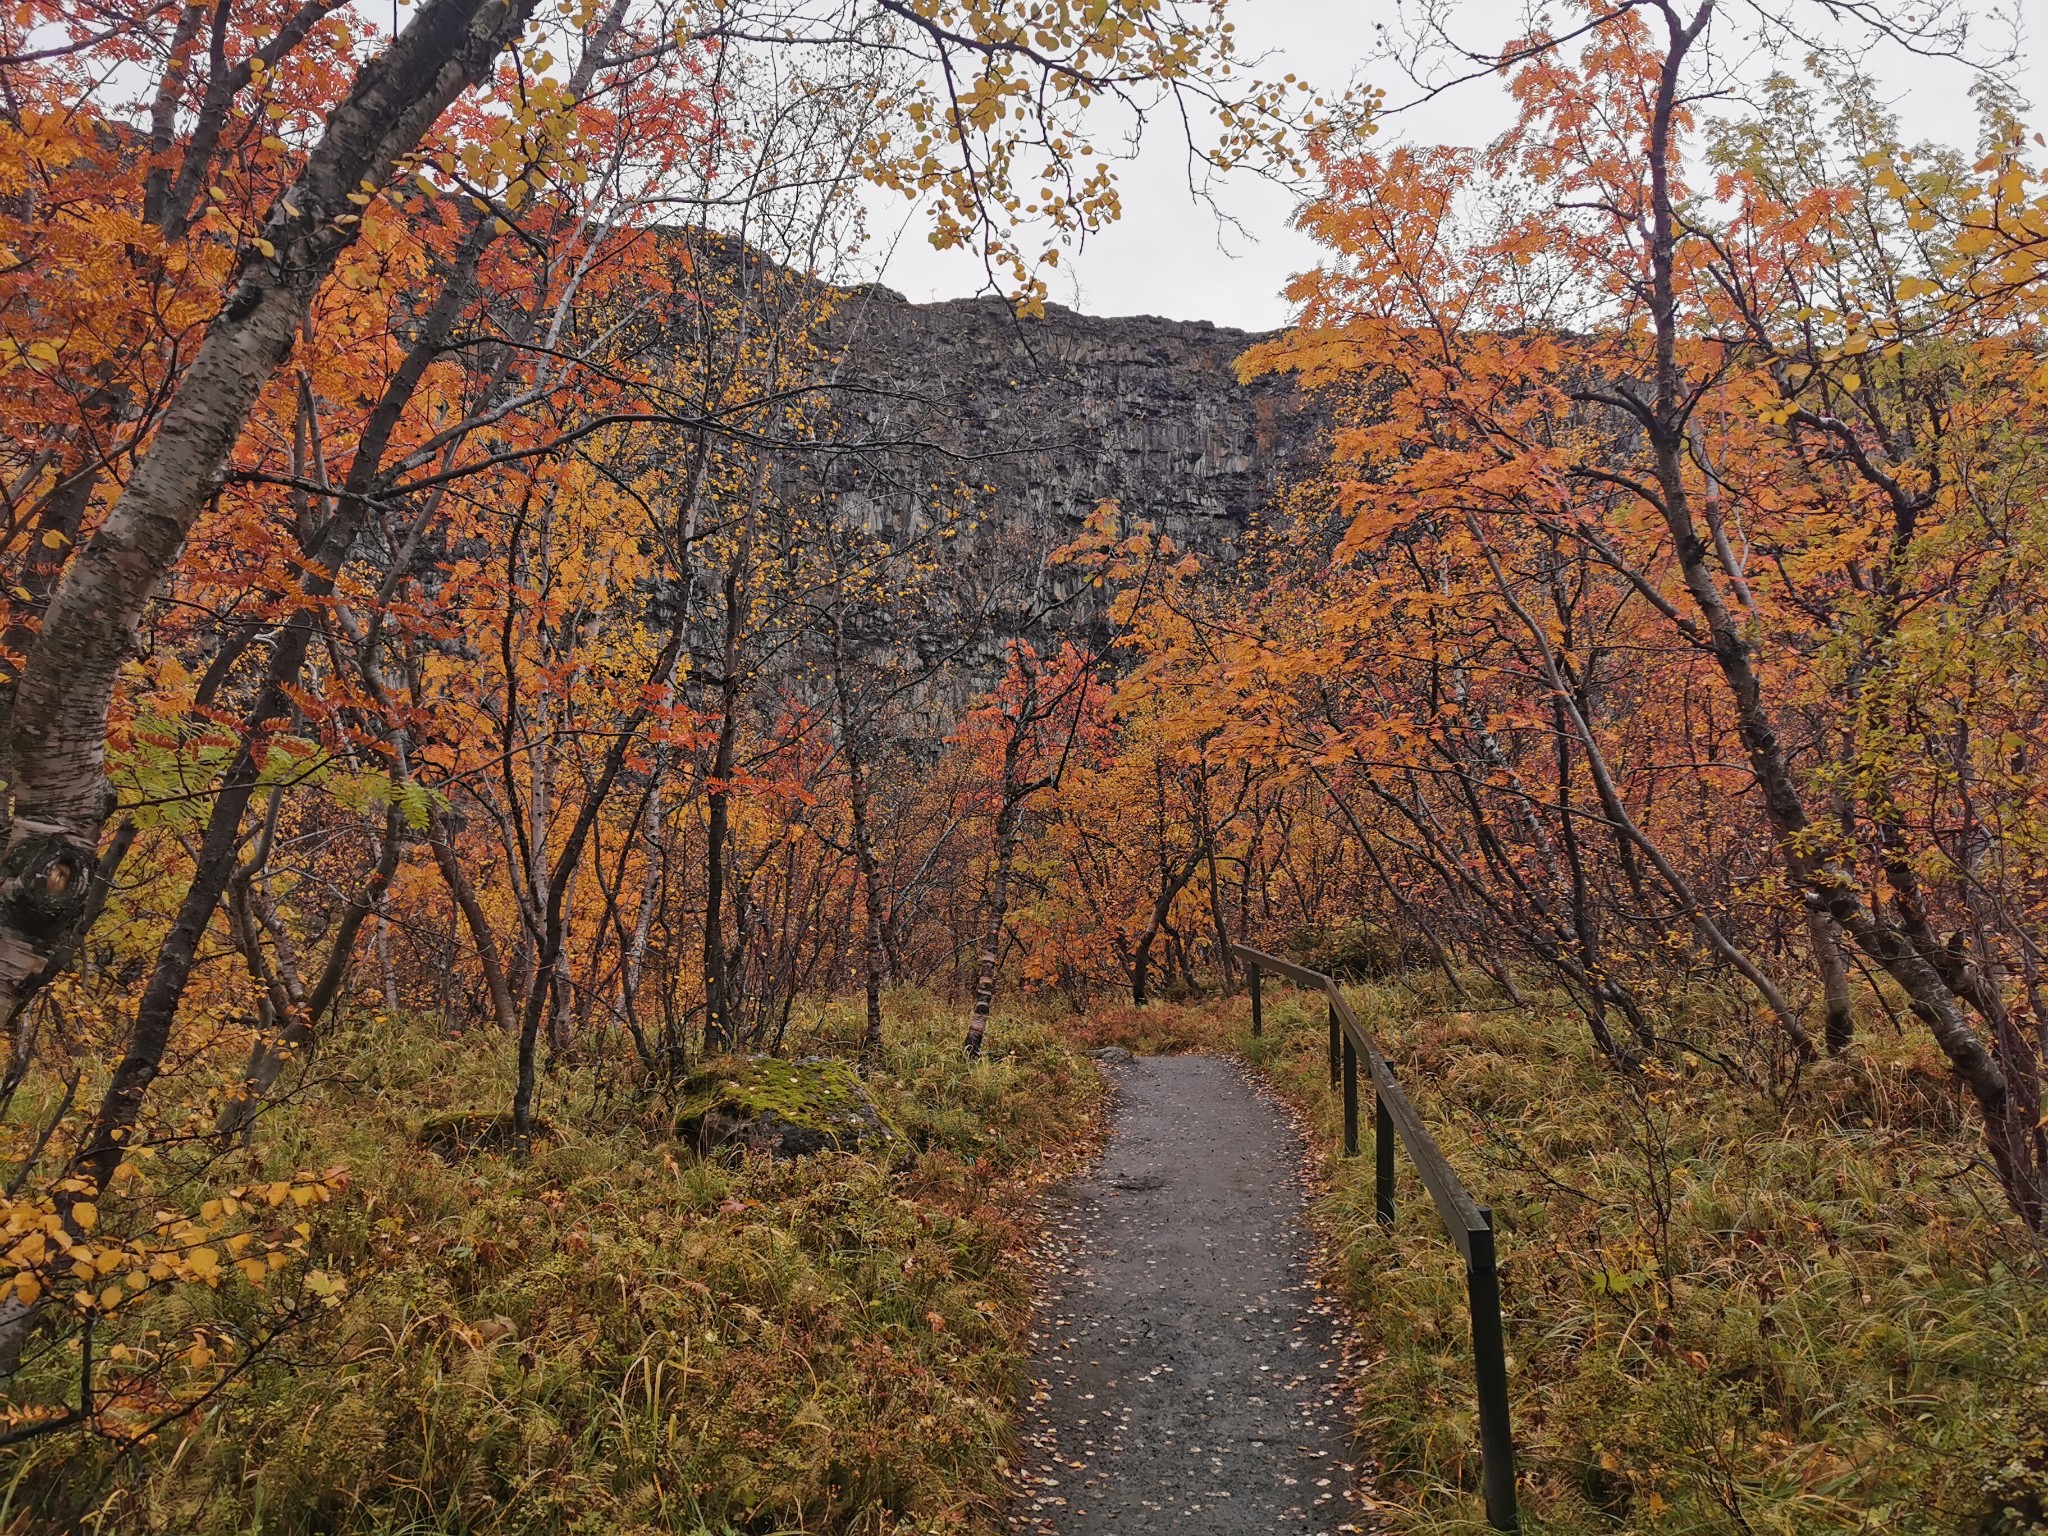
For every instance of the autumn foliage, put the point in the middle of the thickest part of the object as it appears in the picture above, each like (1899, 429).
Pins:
(1666, 618)
(423, 591)
(428, 600)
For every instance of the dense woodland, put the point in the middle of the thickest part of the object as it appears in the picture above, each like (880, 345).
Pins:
(431, 631)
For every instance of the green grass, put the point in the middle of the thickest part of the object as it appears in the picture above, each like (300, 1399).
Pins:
(615, 1336)
(1732, 1307)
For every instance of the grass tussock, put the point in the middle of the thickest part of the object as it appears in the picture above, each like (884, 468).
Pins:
(615, 1336)
(1734, 1305)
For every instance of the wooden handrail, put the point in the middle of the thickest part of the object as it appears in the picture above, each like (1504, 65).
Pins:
(1469, 1224)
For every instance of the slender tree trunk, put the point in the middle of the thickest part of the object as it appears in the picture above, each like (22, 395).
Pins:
(441, 839)
(874, 962)
(633, 962)
(1839, 1028)
(720, 1031)
(552, 925)
(386, 965)
(1008, 815)
(561, 1019)
(1141, 957)
(874, 957)
(1225, 961)
(300, 1031)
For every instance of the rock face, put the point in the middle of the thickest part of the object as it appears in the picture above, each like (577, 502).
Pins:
(1037, 421)
(787, 1109)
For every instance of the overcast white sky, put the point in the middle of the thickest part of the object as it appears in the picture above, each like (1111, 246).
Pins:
(1168, 255)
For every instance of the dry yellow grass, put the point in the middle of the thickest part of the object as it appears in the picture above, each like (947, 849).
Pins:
(615, 1336)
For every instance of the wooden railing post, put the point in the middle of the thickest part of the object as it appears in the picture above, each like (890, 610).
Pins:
(1350, 1098)
(1258, 1013)
(1490, 1366)
(1334, 1034)
(1383, 1160)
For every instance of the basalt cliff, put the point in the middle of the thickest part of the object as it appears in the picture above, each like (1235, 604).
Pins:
(1034, 422)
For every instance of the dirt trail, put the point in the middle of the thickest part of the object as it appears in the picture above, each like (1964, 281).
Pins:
(1186, 1367)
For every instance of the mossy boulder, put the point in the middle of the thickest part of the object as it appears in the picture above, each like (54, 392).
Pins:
(787, 1109)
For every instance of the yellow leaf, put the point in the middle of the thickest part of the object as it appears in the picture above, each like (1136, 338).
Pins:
(86, 1215)
(266, 248)
(272, 142)
(55, 538)
(27, 1288)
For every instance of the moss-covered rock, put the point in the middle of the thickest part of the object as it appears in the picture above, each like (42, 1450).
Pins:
(784, 1108)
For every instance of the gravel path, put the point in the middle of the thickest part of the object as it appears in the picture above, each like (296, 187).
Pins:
(1186, 1368)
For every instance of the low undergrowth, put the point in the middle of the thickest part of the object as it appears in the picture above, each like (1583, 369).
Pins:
(614, 1335)
(1735, 1305)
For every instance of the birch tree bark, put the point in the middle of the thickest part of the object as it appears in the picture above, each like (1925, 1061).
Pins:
(57, 735)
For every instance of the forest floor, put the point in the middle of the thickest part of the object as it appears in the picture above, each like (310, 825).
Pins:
(1740, 1300)
(1186, 1363)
